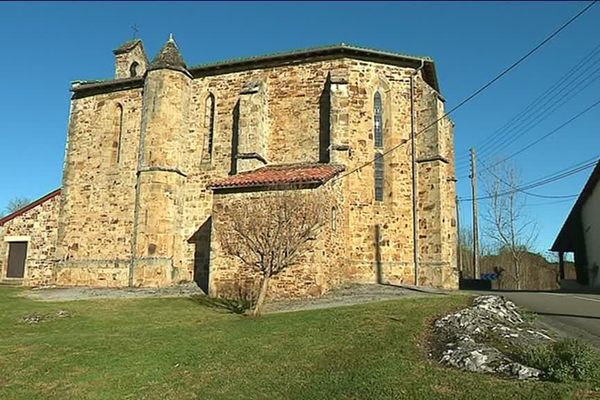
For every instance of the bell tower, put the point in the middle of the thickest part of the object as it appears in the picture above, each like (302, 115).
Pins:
(130, 59)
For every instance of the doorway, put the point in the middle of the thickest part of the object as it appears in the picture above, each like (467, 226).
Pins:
(17, 254)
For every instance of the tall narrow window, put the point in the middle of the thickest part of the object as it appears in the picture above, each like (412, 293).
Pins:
(118, 135)
(379, 165)
(378, 120)
(333, 218)
(209, 123)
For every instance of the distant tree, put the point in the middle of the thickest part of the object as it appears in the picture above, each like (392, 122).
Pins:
(269, 234)
(507, 223)
(465, 248)
(15, 204)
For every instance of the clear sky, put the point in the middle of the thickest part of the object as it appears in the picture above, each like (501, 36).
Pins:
(45, 46)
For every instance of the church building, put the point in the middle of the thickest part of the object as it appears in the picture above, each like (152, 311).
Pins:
(155, 154)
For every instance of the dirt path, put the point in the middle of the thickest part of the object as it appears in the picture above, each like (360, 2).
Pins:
(344, 296)
(86, 293)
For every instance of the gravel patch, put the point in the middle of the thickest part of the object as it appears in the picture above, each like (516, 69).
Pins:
(87, 293)
(342, 296)
(350, 295)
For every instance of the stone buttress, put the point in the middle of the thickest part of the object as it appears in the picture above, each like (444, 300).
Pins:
(157, 243)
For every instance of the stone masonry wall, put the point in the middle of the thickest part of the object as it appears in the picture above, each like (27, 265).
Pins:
(319, 269)
(96, 223)
(294, 122)
(159, 208)
(96, 218)
(391, 260)
(39, 226)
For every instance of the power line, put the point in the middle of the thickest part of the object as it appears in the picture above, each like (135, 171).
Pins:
(543, 181)
(553, 131)
(478, 91)
(547, 203)
(566, 81)
(508, 140)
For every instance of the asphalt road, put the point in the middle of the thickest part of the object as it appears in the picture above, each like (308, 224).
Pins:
(571, 314)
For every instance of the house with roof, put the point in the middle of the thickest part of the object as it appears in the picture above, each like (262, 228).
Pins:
(580, 234)
(156, 153)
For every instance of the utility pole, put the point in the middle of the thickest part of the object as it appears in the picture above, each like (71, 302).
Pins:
(458, 241)
(413, 140)
(475, 214)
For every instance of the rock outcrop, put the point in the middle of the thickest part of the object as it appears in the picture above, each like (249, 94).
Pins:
(485, 337)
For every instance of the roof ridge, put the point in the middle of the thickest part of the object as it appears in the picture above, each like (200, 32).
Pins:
(29, 206)
(301, 50)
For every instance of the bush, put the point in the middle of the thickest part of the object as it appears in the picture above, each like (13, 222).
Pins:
(564, 361)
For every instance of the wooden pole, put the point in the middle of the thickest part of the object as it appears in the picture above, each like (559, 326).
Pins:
(475, 214)
(458, 241)
(561, 264)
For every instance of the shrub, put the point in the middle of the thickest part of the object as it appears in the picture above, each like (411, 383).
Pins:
(564, 361)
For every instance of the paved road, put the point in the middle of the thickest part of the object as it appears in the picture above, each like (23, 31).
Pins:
(571, 314)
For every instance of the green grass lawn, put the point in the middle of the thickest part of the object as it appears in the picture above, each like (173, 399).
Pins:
(180, 349)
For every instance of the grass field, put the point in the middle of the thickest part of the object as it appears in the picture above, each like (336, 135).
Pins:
(180, 349)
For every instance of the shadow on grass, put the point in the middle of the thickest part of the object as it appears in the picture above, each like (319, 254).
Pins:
(223, 305)
(416, 289)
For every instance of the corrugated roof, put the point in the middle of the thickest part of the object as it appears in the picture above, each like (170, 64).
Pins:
(275, 175)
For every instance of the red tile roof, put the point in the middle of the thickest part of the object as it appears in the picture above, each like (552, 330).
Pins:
(29, 206)
(274, 175)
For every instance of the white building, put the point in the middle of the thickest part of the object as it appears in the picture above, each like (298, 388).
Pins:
(580, 234)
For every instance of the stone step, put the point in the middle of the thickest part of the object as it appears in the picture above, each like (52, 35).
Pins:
(11, 282)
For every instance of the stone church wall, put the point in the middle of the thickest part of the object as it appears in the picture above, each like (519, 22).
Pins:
(294, 111)
(96, 219)
(38, 226)
(319, 269)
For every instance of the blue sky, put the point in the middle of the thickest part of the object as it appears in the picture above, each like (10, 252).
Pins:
(46, 46)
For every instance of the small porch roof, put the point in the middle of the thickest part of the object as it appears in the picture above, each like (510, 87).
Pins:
(279, 175)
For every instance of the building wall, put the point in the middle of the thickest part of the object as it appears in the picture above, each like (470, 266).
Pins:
(299, 105)
(319, 268)
(38, 226)
(294, 123)
(96, 217)
(394, 214)
(590, 215)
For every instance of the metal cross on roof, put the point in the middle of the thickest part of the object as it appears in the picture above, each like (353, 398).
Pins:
(135, 30)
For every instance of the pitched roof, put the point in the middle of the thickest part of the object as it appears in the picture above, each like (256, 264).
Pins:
(169, 57)
(276, 175)
(308, 55)
(321, 53)
(565, 240)
(127, 46)
(29, 206)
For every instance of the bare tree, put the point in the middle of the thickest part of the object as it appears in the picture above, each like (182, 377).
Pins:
(507, 225)
(15, 204)
(270, 234)
(465, 247)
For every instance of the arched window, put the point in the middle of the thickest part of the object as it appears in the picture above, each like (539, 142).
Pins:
(378, 119)
(379, 176)
(209, 122)
(134, 69)
(118, 134)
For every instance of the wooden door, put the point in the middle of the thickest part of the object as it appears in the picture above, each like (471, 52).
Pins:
(17, 253)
